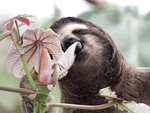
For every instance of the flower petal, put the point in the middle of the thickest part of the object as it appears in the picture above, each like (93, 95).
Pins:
(29, 35)
(23, 20)
(11, 55)
(55, 74)
(9, 25)
(4, 35)
(54, 49)
(51, 42)
(48, 33)
(38, 32)
(33, 35)
(21, 24)
(68, 59)
(27, 15)
(14, 60)
(44, 74)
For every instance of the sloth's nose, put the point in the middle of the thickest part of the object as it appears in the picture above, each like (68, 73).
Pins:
(69, 40)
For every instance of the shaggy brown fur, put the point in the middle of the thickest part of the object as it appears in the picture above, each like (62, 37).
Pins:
(27, 104)
(99, 64)
(105, 66)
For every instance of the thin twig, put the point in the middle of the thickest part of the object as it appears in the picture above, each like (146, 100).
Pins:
(17, 90)
(126, 108)
(86, 107)
(18, 32)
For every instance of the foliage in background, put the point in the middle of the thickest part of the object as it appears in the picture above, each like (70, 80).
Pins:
(129, 30)
(9, 102)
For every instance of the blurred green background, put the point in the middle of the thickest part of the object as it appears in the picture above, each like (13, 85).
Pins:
(129, 29)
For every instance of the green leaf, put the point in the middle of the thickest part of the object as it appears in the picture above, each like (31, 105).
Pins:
(108, 93)
(130, 106)
(133, 107)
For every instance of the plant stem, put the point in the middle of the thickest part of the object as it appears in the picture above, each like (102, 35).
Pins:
(35, 105)
(17, 90)
(38, 107)
(86, 107)
(18, 47)
(126, 108)
(41, 98)
(28, 73)
(18, 33)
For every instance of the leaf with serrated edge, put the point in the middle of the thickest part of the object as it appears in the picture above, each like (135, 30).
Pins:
(130, 106)
(133, 107)
(107, 92)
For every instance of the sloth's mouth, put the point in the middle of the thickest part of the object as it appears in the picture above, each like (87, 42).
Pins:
(81, 50)
(78, 49)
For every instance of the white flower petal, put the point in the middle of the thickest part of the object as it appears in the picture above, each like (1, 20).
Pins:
(67, 59)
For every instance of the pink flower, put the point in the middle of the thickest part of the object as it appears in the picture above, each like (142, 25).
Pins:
(50, 69)
(45, 68)
(34, 40)
(41, 49)
(37, 45)
(21, 18)
(9, 25)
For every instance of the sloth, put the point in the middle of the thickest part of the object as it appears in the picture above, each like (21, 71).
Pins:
(99, 63)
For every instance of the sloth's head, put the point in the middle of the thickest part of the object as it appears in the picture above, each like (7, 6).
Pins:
(97, 50)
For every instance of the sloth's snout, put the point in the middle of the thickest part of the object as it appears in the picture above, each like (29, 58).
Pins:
(81, 51)
(69, 40)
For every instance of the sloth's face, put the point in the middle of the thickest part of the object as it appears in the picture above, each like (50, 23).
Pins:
(95, 55)
(91, 48)
(96, 51)
(69, 37)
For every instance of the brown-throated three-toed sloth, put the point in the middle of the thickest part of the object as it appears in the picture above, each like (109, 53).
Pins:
(98, 64)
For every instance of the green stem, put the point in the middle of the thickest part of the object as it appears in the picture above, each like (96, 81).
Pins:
(86, 107)
(38, 107)
(41, 98)
(35, 105)
(17, 90)
(28, 73)
(18, 47)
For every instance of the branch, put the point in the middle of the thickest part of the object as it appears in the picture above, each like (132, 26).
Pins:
(17, 90)
(86, 107)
